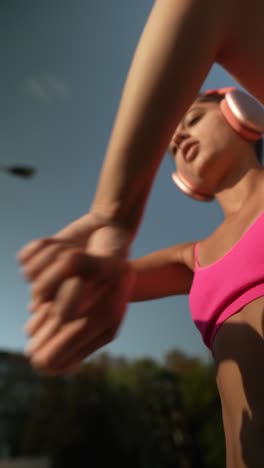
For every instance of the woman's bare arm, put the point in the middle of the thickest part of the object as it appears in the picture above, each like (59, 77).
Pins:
(163, 273)
(179, 44)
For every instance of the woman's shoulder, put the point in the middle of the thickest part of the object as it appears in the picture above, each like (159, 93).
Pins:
(187, 252)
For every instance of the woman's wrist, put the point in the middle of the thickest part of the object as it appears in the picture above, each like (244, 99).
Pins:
(112, 217)
(119, 237)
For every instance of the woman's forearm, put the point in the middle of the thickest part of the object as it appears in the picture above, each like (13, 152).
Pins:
(179, 44)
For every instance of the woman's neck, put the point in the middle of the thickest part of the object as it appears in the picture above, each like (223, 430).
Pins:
(240, 190)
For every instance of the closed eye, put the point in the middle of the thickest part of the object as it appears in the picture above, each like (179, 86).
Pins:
(194, 120)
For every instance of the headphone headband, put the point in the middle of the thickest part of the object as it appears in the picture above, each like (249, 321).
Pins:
(220, 91)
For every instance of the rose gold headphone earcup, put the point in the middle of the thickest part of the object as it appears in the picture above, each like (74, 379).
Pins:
(243, 115)
(186, 187)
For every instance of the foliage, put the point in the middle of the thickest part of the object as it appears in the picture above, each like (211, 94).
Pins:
(133, 413)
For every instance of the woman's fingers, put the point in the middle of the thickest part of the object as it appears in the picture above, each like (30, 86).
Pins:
(37, 320)
(77, 339)
(57, 340)
(73, 299)
(41, 260)
(69, 298)
(32, 248)
(84, 348)
(49, 327)
(77, 298)
(65, 337)
(52, 338)
(69, 264)
(82, 317)
(72, 358)
(34, 305)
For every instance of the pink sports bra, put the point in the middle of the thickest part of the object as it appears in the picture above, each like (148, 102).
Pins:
(221, 289)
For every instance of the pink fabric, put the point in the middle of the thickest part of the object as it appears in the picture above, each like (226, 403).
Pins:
(224, 287)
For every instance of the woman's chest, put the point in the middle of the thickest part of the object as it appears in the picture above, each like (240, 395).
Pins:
(229, 234)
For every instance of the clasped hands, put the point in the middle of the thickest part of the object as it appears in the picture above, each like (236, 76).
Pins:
(81, 283)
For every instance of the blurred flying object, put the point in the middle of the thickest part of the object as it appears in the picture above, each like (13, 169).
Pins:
(19, 171)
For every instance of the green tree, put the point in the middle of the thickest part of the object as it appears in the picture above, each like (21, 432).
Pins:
(202, 408)
(134, 413)
(18, 387)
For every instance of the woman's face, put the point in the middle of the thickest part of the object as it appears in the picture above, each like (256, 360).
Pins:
(204, 146)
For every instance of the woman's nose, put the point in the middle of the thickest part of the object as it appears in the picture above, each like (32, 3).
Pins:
(178, 137)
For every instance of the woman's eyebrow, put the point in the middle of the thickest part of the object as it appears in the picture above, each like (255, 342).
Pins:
(200, 108)
(192, 109)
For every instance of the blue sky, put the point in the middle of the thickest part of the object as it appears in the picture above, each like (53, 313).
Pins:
(63, 66)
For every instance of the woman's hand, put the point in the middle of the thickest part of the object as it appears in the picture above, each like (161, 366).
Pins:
(81, 284)
(49, 261)
(57, 345)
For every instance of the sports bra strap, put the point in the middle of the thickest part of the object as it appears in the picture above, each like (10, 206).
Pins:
(196, 250)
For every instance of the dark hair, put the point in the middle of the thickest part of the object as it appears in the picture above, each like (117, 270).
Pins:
(214, 97)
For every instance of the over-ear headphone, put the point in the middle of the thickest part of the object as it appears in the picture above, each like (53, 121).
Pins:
(244, 114)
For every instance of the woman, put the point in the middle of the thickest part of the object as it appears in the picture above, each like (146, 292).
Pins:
(224, 273)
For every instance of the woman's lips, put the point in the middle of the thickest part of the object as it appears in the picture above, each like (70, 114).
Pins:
(191, 152)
